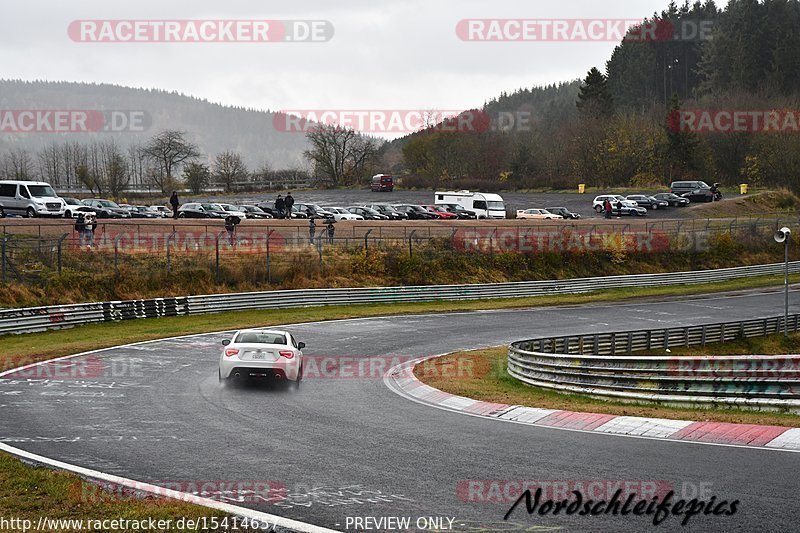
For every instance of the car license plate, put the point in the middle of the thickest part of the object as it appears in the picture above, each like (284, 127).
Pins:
(259, 356)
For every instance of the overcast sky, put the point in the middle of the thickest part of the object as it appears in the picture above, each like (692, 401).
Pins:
(384, 55)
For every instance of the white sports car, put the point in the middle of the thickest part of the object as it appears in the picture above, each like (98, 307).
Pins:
(262, 353)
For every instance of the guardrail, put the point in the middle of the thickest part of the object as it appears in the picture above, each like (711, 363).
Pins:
(42, 318)
(588, 364)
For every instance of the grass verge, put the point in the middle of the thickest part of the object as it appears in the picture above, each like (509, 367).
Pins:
(487, 380)
(30, 492)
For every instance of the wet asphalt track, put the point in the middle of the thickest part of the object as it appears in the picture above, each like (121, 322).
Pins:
(351, 447)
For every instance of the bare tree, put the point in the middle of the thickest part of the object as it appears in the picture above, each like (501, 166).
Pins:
(50, 164)
(18, 164)
(229, 169)
(339, 154)
(115, 170)
(167, 151)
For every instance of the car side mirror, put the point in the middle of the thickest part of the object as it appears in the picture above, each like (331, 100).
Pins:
(226, 342)
(301, 345)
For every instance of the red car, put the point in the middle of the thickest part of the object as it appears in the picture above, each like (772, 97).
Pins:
(443, 213)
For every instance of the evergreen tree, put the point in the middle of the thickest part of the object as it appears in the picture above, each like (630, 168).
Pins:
(594, 98)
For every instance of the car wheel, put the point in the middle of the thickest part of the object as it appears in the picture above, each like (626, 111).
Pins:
(67, 214)
(30, 213)
(181, 215)
(2, 213)
(655, 206)
(598, 209)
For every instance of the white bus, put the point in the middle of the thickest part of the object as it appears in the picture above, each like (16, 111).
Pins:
(484, 205)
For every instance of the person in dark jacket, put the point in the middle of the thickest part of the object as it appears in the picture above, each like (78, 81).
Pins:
(289, 202)
(231, 222)
(280, 206)
(80, 228)
(608, 208)
(173, 201)
(331, 231)
(312, 230)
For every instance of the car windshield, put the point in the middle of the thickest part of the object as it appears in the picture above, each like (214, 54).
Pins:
(496, 206)
(388, 208)
(254, 209)
(703, 185)
(107, 203)
(40, 191)
(213, 207)
(260, 337)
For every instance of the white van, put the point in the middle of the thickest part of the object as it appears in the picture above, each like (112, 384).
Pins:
(484, 205)
(30, 199)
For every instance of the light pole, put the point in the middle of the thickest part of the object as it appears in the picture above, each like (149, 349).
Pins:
(784, 235)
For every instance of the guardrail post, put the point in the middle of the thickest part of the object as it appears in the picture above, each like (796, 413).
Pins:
(116, 254)
(613, 344)
(216, 256)
(60, 242)
(703, 335)
(3, 261)
(269, 260)
(169, 265)
(366, 240)
(319, 250)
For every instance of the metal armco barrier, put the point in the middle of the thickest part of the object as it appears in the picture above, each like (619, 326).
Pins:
(41, 318)
(588, 364)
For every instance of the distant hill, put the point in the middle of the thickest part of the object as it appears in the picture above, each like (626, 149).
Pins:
(214, 127)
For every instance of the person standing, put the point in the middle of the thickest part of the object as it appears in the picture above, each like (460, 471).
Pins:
(90, 224)
(331, 231)
(312, 230)
(289, 202)
(280, 206)
(80, 228)
(608, 208)
(230, 224)
(173, 201)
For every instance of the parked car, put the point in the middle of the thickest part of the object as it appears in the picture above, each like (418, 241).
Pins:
(537, 214)
(564, 212)
(619, 204)
(673, 199)
(313, 211)
(340, 213)
(695, 191)
(461, 211)
(443, 213)
(649, 202)
(198, 210)
(416, 212)
(253, 211)
(235, 210)
(367, 213)
(269, 209)
(72, 206)
(163, 210)
(389, 211)
(30, 199)
(106, 208)
(141, 211)
(262, 353)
